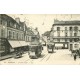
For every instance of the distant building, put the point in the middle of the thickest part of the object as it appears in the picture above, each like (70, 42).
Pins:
(46, 36)
(64, 33)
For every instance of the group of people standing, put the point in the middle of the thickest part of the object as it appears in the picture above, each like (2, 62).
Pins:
(75, 54)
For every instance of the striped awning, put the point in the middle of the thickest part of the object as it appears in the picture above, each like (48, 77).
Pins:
(23, 43)
(15, 44)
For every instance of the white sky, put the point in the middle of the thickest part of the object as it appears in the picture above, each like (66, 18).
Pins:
(44, 21)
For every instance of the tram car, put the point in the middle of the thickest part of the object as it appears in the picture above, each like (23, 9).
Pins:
(50, 47)
(35, 50)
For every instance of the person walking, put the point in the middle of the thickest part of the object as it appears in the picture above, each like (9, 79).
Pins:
(74, 57)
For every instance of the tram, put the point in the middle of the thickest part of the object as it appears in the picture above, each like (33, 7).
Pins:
(35, 50)
(50, 47)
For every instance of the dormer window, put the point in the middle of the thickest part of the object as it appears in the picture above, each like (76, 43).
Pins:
(15, 25)
(20, 27)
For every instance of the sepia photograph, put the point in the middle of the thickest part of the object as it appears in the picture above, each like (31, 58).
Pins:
(40, 39)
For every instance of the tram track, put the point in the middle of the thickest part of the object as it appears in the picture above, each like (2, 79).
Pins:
(44, 57)
(48, 57)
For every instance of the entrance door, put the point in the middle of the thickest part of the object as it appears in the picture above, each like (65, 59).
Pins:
(71, 47)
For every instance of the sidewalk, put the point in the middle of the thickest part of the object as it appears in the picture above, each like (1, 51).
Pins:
(6, 57)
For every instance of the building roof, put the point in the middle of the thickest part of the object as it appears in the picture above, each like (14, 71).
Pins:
(47, 33)
(29, 31)
(7, 18)
(74, 22)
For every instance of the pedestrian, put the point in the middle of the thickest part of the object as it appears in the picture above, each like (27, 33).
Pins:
(74, 57)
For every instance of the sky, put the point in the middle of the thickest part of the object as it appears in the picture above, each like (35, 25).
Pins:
(44, 21)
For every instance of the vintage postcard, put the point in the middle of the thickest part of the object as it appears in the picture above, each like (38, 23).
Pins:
(39, 39)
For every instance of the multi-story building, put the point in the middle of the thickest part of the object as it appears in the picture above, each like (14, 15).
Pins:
(12, 34)
(64, 33)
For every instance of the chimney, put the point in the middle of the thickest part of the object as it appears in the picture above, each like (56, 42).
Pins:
(17, 19)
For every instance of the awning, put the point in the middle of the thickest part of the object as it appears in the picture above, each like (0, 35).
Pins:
(14, 44)
(58, 45)
(23, 43)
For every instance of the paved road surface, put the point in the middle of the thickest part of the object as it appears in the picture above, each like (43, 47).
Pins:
(58, 57)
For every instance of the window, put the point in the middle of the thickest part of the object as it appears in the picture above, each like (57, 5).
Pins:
(70, 28)
(58, 28)
(65, 40)
(2, 44)
(75, 28)
(8, 23)
(11, 24)
(58, 34)
(66, 34)
(9, 34)
(26, 38)
(76, 45)
(70, 33)
(22, 37)
(15, 25)
(65, 28)
(0, 21)
(70, 40)
(2, 33)
(75, 34)
(58, 40)
(17, 35)
(13, 35)
(75, 40)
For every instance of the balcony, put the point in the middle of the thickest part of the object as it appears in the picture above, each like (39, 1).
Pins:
(62, 37)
